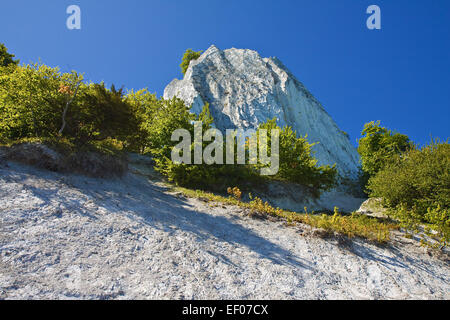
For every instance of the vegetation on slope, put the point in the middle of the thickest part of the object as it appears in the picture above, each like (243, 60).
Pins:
(354, 225)
(39, 104)
(413, 183)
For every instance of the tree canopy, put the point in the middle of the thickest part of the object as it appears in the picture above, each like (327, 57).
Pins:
(378, 146)
(188, 56)
(6, 58)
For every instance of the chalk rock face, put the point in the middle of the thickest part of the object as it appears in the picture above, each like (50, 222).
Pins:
(244, 90)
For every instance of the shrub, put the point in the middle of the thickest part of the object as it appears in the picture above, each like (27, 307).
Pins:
(100, 113)
(30, 102)
(188, 56)
(354, 225)
(37, 101)
(416, 187)
(378, 146)
(144, 106)
(6, 58)
(297, 164)
(169, 115)
(235, 192)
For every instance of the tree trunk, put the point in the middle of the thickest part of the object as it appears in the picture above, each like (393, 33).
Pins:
(66, 108)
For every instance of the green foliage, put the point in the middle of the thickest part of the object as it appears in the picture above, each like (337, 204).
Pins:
(30, 102)
(101, 114)
(296, 161)
(35, 101)
(297, 165)
(6, 58)
(170, 115)
(416, 187)
(378, 146)
(167, 116)
(354, 225)
(188, 56)
(144, 107)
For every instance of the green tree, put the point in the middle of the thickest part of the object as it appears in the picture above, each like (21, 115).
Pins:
(37, 101)
(296, 161)
(145, 106)
(378, 146)
(188, 56)
(416, 187)
(6, 58)
(100, 113)
(30, 102)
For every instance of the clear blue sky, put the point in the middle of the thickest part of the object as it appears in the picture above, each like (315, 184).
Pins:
(399, 75)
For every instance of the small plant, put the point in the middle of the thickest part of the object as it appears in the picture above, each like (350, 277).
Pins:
(355, 225)
(235, 193)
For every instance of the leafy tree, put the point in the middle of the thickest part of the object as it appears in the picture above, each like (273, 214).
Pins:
(416, 187)
(166, 117)
(378, 146)
(6, 58)
(37, 101)
(30, 102)
(187, 57)
(70, 92)
(101, 114)
(296, 161)
(144, 106)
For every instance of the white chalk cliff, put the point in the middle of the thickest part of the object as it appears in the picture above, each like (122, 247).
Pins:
(244, 90)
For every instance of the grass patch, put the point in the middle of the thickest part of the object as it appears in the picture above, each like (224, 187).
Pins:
(354, 225)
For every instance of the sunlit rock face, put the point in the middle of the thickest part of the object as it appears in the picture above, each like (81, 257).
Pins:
(244, 90)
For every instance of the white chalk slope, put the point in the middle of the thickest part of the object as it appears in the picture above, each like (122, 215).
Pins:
(244, 90)
(75, 237)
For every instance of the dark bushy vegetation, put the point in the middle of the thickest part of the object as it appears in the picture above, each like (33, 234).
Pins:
(6, 58)
(104, 159)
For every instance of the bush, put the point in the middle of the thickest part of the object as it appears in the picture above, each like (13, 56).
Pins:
(144, 106)
(297, 164)
(377, 147)
(188, 56)
(37, 101)
(354, 225)
(166, 117)
(6, 59)
(100, 113)
(416, 187)
(30, 102)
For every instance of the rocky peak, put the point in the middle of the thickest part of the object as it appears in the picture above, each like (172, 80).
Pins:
(244, 90)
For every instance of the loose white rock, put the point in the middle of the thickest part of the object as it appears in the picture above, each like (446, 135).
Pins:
(73, 237)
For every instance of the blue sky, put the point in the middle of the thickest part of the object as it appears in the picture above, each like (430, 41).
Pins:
(399, 74)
